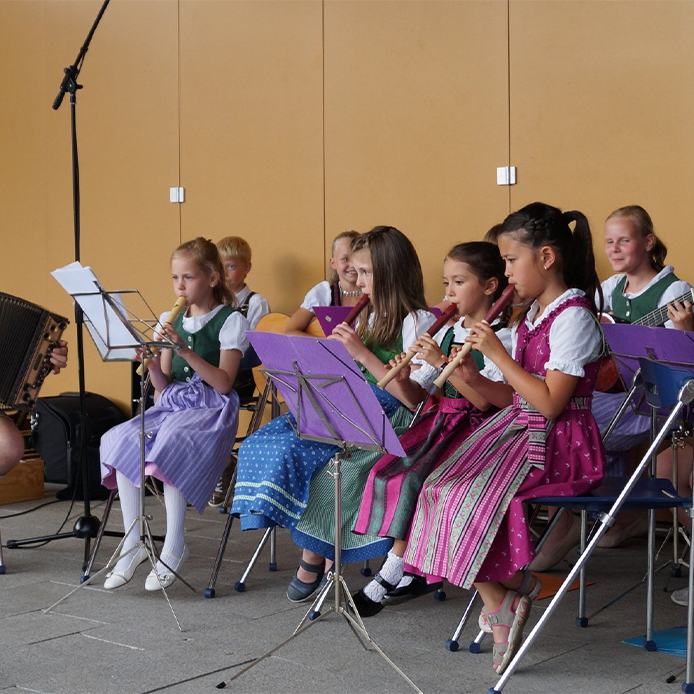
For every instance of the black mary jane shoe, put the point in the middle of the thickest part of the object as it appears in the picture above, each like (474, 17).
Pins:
(366, 607)
(415, 589)
(298, 591)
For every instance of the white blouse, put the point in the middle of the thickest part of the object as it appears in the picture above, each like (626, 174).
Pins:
(414, 325)
(320, 295)
(427, 374)
(257, 306)
(575, 337)
(231, 336)
(674, 291)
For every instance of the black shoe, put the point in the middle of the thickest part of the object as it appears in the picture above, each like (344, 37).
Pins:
(416, 588)
(366, 607)
(298, 591)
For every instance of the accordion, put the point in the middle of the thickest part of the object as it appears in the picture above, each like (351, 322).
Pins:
(28, 333)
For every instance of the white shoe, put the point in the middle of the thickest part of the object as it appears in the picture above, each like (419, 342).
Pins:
(681, 596)
(116, 579)
(165, 578)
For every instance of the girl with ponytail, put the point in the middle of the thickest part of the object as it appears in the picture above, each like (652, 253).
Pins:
(469, 525)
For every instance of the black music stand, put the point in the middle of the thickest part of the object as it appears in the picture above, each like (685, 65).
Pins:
(332, 403)
(633, 345)
(118, 331)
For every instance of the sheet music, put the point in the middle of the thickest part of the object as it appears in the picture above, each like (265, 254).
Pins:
(110, 334)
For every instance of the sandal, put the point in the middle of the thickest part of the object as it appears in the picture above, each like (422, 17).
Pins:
(530, 586)
(366, 607)
(298, 591)
(514, 621)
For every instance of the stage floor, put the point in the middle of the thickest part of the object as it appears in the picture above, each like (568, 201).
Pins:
(127, 640)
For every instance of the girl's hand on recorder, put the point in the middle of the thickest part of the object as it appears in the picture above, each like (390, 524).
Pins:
(351, 340)
(429, 351)
(485, 340)
(404, 373)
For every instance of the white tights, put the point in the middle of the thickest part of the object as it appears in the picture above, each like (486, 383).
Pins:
(176, 507)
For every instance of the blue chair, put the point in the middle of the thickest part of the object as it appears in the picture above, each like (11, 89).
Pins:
(664, 387)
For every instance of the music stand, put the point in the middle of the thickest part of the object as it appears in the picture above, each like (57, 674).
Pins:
(629, 343)
(332, 403)
(118, 331)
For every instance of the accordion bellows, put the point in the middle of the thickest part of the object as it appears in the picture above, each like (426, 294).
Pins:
(28, 333)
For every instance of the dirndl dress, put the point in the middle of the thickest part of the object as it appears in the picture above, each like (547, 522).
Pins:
(469, 523)
(394, 483)
(275, 469)
(190, 433)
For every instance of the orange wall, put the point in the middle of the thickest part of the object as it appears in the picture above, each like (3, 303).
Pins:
(288, 122)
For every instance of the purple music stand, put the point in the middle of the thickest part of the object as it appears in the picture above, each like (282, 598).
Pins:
(330, 316)
(629, 343)
(332, 403)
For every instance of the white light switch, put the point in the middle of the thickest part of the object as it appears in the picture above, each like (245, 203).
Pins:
(505, 175)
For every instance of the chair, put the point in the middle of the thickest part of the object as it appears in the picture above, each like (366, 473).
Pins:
(657, 381)
(664, 387)
(257, 407)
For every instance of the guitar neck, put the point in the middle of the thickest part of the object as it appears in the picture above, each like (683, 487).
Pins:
(658, 317)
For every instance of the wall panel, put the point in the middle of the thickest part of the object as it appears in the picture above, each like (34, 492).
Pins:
(602, 95)
(127, 123)
(251, 136)
(416, 121)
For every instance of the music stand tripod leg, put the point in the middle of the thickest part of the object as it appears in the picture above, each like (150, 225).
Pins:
(336, 582)
(140, 523)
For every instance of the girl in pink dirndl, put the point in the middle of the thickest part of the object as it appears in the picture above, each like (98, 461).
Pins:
(473, 276)
(469, 525)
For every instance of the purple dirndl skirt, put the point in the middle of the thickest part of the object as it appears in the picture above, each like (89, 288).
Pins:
(190, 433)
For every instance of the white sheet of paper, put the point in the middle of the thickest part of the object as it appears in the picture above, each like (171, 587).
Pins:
(112, 338)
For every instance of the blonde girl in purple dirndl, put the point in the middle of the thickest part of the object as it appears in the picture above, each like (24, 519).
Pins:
(470, 525)
(192, 427)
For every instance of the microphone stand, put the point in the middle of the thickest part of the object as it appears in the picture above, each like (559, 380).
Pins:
(87, 526)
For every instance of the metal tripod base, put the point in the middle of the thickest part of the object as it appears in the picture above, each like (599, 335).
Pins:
(342, 603)
(146, 541)
(345, 607)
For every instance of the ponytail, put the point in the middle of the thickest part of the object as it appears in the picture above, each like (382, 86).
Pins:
(658, 254)
(581, 271)
(540, 225)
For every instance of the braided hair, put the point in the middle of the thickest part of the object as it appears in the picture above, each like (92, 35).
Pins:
(539, 224)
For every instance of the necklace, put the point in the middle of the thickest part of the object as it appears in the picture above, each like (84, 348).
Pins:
(356, 292)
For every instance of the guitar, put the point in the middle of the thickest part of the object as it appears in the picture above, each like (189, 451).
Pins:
(654, 319)
(608, 375)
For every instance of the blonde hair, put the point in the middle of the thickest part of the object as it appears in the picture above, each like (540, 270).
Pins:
(235, 247)
(644, 226)
(351, 235)
(206, 256)
(398, 285)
